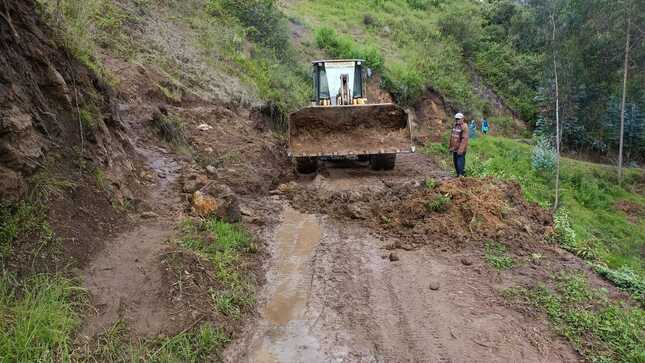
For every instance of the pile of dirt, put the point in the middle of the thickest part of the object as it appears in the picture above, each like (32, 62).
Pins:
(451, 214)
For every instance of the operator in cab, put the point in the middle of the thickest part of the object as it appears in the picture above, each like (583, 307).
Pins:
(459, 144)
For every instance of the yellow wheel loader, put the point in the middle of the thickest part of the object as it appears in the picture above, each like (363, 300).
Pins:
(341, 123)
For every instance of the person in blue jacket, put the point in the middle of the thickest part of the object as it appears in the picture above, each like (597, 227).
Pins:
(472, 129)
(485, 126)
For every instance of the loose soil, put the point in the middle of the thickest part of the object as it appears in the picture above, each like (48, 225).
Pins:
(362, 271)
(125, 279)
(335, 293)
(346, 130)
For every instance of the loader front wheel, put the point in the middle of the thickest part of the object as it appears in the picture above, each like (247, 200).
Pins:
(383, 161)
(306, 165)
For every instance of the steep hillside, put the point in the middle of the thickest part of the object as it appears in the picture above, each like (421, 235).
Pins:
(404, 40)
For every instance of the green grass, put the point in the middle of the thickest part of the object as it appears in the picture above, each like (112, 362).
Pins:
(593, 228)
(600, 330)
(398, 37)
(38, 317)
(495, 256)
(439, 203)
(19, 220)
(83, 26)
(223, 244)
(200, 344)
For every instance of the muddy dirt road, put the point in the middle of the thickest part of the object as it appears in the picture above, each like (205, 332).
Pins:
(125, 279)
(335, 294)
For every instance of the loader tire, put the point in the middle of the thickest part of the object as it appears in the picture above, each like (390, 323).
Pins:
(306, 165)
(383, 161)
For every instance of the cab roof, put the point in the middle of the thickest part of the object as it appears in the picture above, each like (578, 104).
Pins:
(337, 60)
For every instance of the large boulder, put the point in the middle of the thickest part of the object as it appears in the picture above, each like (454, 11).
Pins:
(217, 200)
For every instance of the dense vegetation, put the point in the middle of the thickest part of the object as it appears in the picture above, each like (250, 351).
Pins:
(442, 44)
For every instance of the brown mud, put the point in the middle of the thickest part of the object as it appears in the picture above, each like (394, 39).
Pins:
(125, 279)
(453, 213)
(359, 129)
(344, 287)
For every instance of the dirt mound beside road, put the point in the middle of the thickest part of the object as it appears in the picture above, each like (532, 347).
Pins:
(450, 214)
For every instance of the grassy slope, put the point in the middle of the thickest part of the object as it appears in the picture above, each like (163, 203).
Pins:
(409, 40)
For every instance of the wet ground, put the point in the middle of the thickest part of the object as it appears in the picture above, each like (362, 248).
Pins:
(334, 294)
(125, 279)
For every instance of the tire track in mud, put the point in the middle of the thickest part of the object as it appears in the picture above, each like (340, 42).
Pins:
(393, 315)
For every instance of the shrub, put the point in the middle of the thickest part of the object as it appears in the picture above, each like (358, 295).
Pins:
(369, 20)
(405, 82)
(169, 128)
(564, 233)
(544, 156)
(264, 22)
(462, 25)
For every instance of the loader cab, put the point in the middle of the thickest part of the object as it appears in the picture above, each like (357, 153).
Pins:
(339, 82)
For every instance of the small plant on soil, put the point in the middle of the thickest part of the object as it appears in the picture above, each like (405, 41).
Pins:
(439, 203)
(495, 254)
(430, 183)
(536, 258)
(226, 304)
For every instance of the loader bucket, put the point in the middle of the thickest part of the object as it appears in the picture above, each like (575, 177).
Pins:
(349, 130)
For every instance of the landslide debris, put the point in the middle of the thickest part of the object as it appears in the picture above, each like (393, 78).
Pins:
(450, 215)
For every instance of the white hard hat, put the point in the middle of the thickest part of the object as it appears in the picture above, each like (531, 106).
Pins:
(459, 116)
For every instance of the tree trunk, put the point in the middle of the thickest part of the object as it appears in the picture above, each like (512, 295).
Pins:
(622, 103)
(557, 117)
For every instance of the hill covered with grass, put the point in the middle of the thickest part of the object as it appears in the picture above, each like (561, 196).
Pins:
(418, 44)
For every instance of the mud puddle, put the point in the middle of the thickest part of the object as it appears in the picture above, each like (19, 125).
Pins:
(284, 334)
